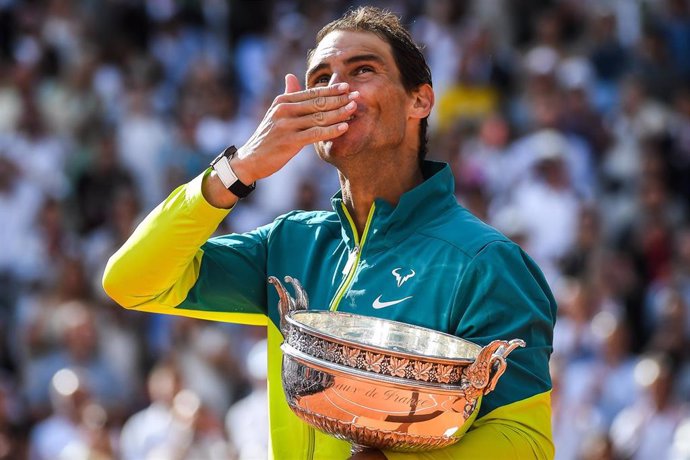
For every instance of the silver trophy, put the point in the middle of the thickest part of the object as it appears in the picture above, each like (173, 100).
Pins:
(380, 383)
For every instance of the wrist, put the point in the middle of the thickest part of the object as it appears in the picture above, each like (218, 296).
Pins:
(228, 176)
(241, 164)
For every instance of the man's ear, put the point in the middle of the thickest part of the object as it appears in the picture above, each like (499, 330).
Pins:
(422, 102)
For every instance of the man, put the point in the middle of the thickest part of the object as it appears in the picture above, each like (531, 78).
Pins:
(397, 245)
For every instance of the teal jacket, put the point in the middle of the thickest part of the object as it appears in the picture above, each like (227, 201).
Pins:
(426, 261)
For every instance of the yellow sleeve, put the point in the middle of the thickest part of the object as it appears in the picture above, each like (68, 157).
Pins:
(520, 431)
(160, 261)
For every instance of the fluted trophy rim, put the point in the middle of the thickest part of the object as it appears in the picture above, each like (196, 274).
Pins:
(293, 318)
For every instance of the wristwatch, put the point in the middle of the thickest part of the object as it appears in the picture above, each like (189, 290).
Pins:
(221, 164)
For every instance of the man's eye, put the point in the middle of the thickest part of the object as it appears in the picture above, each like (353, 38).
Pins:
(363, 69)
(322, 80)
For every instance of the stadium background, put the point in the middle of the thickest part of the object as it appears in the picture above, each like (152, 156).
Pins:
(567, 123)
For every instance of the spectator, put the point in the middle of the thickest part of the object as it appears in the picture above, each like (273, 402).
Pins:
(246, 422)
(436, 25)
(645, 429)
(550, 193)
(223, 126)
(606, 379)
(12, 435)
(483, 157)
(20, 202)
(637, 116)
(579, 117)
(194, 432)
(680, 135)
(585, 255)
(99, 183)
(78, 347)
(207, 363)
(141, 138)
(43, 153)
(69, 395)
(144, 431)
(609, 59)
(574, 421)
(186, 157)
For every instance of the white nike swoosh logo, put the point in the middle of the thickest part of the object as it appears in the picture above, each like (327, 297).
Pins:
(378, 304)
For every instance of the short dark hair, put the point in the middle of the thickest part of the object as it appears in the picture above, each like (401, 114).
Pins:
(412, 66)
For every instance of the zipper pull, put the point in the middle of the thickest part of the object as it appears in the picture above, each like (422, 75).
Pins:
(351, 260)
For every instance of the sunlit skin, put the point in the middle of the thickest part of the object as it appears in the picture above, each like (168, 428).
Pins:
(366, 63)
(377, 156)
(356, 112)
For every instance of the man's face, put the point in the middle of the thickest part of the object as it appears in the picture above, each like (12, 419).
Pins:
(381, 120)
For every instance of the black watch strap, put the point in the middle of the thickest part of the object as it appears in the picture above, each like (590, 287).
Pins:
(221, 164)
(241, 190)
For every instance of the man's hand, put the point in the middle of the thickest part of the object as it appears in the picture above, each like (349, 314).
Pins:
(296, 118)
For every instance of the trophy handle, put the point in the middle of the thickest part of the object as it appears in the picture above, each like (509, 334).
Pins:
(497, 363)
(287, 303)
(490, 364)
(301, 297)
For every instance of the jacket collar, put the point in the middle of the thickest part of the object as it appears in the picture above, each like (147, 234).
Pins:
(416, 208)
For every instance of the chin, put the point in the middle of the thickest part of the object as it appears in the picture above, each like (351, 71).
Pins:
(336, 148)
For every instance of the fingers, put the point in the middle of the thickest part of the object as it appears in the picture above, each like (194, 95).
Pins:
(316, 105)
(296, 102)
(311, 93)
(322, 133)
(300, 117)
(327, 117)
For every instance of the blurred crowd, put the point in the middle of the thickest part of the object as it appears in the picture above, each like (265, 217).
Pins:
(567, 123)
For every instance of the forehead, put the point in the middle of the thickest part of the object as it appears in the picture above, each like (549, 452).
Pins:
(341, 44)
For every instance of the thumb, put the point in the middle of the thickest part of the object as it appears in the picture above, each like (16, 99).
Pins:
(291, 84)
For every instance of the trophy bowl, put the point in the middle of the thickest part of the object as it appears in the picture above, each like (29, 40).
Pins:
(381, 383)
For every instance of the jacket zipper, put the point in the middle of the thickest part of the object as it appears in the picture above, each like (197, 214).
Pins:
(353, 258)
(349, 274)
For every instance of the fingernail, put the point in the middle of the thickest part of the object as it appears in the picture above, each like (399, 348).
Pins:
(351, 105)
(342, 127)
(342, 86)
(353, 95)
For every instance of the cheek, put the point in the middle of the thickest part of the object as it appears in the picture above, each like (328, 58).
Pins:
(380, 95)
(399, 103)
